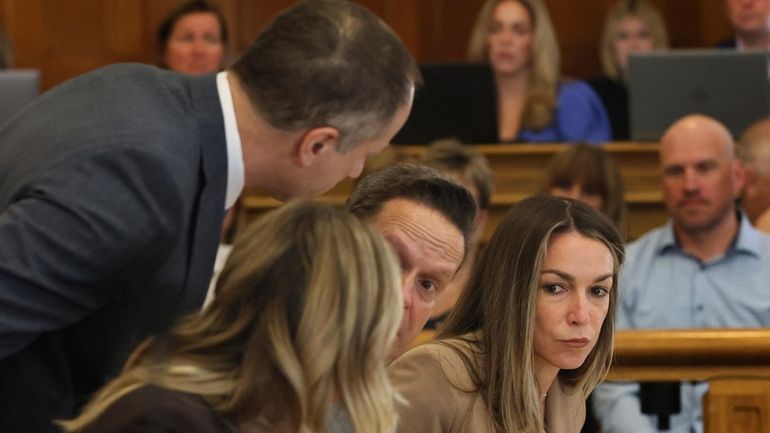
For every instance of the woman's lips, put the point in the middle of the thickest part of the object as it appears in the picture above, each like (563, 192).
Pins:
(575, 342)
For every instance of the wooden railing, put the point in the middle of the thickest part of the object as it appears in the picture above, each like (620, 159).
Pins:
(735, 363)
(518, 170)
(690, 354)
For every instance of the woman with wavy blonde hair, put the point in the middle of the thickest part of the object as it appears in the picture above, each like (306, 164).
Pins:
(531, 335)
(294, 341)
(631, 26)
(517, 38)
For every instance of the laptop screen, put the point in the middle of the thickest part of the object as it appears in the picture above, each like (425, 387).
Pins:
(456, 100)
(17, 88)
(730, 86)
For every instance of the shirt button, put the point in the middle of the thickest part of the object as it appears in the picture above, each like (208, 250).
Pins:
(699, 307)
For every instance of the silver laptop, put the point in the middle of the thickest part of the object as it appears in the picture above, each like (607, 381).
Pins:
(729, 85)
(17, 88)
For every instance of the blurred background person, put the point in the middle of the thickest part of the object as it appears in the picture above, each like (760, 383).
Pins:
(6, 51)
(295, 340)
(589, 174)
(750, 20)
(753, 150)
(531, 334)
(471, 170)
(631, 26)
(193, 39)
(517, 38)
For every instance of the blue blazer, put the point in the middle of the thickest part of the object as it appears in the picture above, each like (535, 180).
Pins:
(112, 192)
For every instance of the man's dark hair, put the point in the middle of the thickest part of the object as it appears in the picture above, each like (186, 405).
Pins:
(328, 63)
(187, 8)
(421, 184)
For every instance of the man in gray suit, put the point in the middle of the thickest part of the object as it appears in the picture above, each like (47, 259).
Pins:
(113, 187)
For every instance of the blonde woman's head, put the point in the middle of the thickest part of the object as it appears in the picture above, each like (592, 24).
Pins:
(304, 314)
(631, 26)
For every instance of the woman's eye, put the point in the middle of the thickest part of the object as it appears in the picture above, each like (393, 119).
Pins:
(599, 292)
(553, 288)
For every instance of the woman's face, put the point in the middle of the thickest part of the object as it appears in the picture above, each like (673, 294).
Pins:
(510, 38)
(573, 300)
(632, 35)
(580, 192)
(195, 46)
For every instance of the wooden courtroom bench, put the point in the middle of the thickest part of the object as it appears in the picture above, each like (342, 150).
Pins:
(735, 363)
(518, 170)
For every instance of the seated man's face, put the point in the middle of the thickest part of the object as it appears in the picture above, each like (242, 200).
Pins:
(430, 249)
(749, 16)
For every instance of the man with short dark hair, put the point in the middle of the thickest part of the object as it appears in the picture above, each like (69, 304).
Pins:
(470, 169)
(428, 219)
(706, 268)
(113, 187)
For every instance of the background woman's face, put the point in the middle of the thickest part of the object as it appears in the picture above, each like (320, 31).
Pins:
(573, 300)
(580, 192)
(195, 45)
(632, 35)
(510, 38)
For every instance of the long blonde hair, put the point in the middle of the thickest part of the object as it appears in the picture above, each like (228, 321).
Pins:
(544, 76)
(495, 314)
(305, 311)
(641, 9)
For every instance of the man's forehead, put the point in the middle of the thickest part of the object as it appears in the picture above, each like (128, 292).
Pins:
(693, 150)
(405, 222)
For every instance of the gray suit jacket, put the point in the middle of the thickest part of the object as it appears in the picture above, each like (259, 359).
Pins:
(112, 191)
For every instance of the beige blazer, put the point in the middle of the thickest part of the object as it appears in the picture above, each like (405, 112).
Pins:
(440, 397)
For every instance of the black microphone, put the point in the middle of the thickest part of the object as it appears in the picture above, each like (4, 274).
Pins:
(662, 399)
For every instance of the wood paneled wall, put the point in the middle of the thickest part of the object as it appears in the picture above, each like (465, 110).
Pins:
(65, 38)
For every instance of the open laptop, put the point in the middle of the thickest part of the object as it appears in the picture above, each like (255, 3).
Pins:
(457, 100)
(17, 88)
(730, 86)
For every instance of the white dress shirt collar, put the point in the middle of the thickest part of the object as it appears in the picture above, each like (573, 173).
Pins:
(235, 176)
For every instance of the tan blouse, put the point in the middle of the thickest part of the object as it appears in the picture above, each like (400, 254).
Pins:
(440, 399)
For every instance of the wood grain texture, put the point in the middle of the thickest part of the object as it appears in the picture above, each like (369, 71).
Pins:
(68, 38)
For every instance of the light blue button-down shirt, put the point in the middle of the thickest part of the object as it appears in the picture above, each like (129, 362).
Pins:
(661, 287)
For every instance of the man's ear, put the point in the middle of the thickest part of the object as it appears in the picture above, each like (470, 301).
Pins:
(315, 143)
(742, 176)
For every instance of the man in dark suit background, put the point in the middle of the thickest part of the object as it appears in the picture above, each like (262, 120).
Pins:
(113, 187)
(751, 22)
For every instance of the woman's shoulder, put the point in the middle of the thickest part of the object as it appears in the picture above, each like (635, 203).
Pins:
(581, 115)
(573, 88)
(442, 364)
(161, 409)
(436, 384)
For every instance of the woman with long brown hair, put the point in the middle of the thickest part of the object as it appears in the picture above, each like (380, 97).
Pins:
(531, 335)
